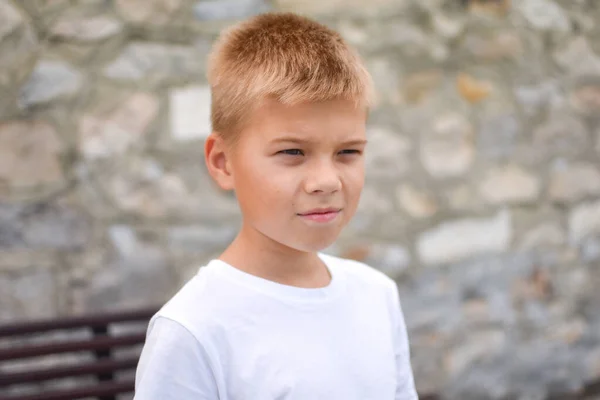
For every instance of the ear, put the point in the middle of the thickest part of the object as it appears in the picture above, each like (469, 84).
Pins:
(217, 162)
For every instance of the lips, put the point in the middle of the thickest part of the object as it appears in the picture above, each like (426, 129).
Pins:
(321, 215)
(321, 211)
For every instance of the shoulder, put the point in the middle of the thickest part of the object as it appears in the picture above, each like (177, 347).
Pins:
(365, 282)
(360, 273)
(174, 363)
(193, 305)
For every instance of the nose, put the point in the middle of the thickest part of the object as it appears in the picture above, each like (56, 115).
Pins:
(323, 177)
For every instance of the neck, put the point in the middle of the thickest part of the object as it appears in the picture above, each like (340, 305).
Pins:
(259, 255)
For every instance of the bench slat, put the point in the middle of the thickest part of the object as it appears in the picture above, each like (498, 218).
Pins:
(93, 368)
(99, 342)
(98, 320)
(99, 390)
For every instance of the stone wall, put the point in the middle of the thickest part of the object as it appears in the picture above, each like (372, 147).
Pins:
(483, 194)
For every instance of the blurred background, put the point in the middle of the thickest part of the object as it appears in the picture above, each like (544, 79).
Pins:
(483, 171)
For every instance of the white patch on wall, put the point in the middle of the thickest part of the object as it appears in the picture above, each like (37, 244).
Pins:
(457, 240)
(190, 113)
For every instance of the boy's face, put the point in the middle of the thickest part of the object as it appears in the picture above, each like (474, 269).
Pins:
(298, 171)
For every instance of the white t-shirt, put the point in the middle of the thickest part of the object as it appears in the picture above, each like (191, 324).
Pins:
(230, 335)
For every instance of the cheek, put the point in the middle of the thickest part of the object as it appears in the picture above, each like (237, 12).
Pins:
(355, 180)
(265, 186)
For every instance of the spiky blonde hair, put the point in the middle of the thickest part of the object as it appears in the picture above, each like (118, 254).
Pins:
(282, 56)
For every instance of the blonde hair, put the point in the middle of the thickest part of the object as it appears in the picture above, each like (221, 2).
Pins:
(283, 56)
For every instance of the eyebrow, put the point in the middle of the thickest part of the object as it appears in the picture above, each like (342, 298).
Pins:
(291, 139)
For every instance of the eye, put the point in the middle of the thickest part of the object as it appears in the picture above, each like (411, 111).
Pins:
(350, 151)
(292, 152)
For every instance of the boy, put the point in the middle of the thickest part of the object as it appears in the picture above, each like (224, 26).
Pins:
(272, 318)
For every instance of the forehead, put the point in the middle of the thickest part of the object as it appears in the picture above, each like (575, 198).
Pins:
(323, 121)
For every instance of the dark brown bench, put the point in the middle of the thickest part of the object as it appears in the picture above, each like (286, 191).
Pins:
(72, 358)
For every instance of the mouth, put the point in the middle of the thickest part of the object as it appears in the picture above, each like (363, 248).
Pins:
(321, 214)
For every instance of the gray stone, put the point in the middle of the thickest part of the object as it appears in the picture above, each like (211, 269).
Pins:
(124, 240)
(42, 227)
(51, 80)
(417, 87)
(200, 239)
(10, 19)
(495, 46)
(31, 294)
(190, 113)
(457, 240)
(585, 96)
(540, 370)
(478, 346)
(144, 187)
(573, 182)
(147, 280)
(577, 57)
(464, 198)
(561, 134)
(544, 235)
(353, 33)
(490, 316)
(130, 282)
(483, 9)
(536, 98)
(338, 6)
(427, 313)
(447, 150)
(448, 28)
(141, 186)
(408, 39)
(11, 234)
(229, 9)
(510, 184)
(40, 8)
(115, 132)
(156, 63)
(387, 154)
(544, 15)
(386, 225)
(498, 136)
(592, 362)
(18, 50)
(29, 154)
(136, 274)
(385, 81)
(372, 201)
(570, 331)
(86, 29)
(415, 202)
(590, 250)
(153, 12)
(56, 228)
(427, 360)
(584, 221)
(393, 260)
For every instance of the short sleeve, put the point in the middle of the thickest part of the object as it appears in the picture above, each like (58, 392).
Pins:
(405, 387)
(173, 365)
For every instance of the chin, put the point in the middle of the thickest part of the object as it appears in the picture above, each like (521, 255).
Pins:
(308, 241)
(314, 246)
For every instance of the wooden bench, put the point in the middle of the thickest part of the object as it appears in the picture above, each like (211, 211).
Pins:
(72, 358)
